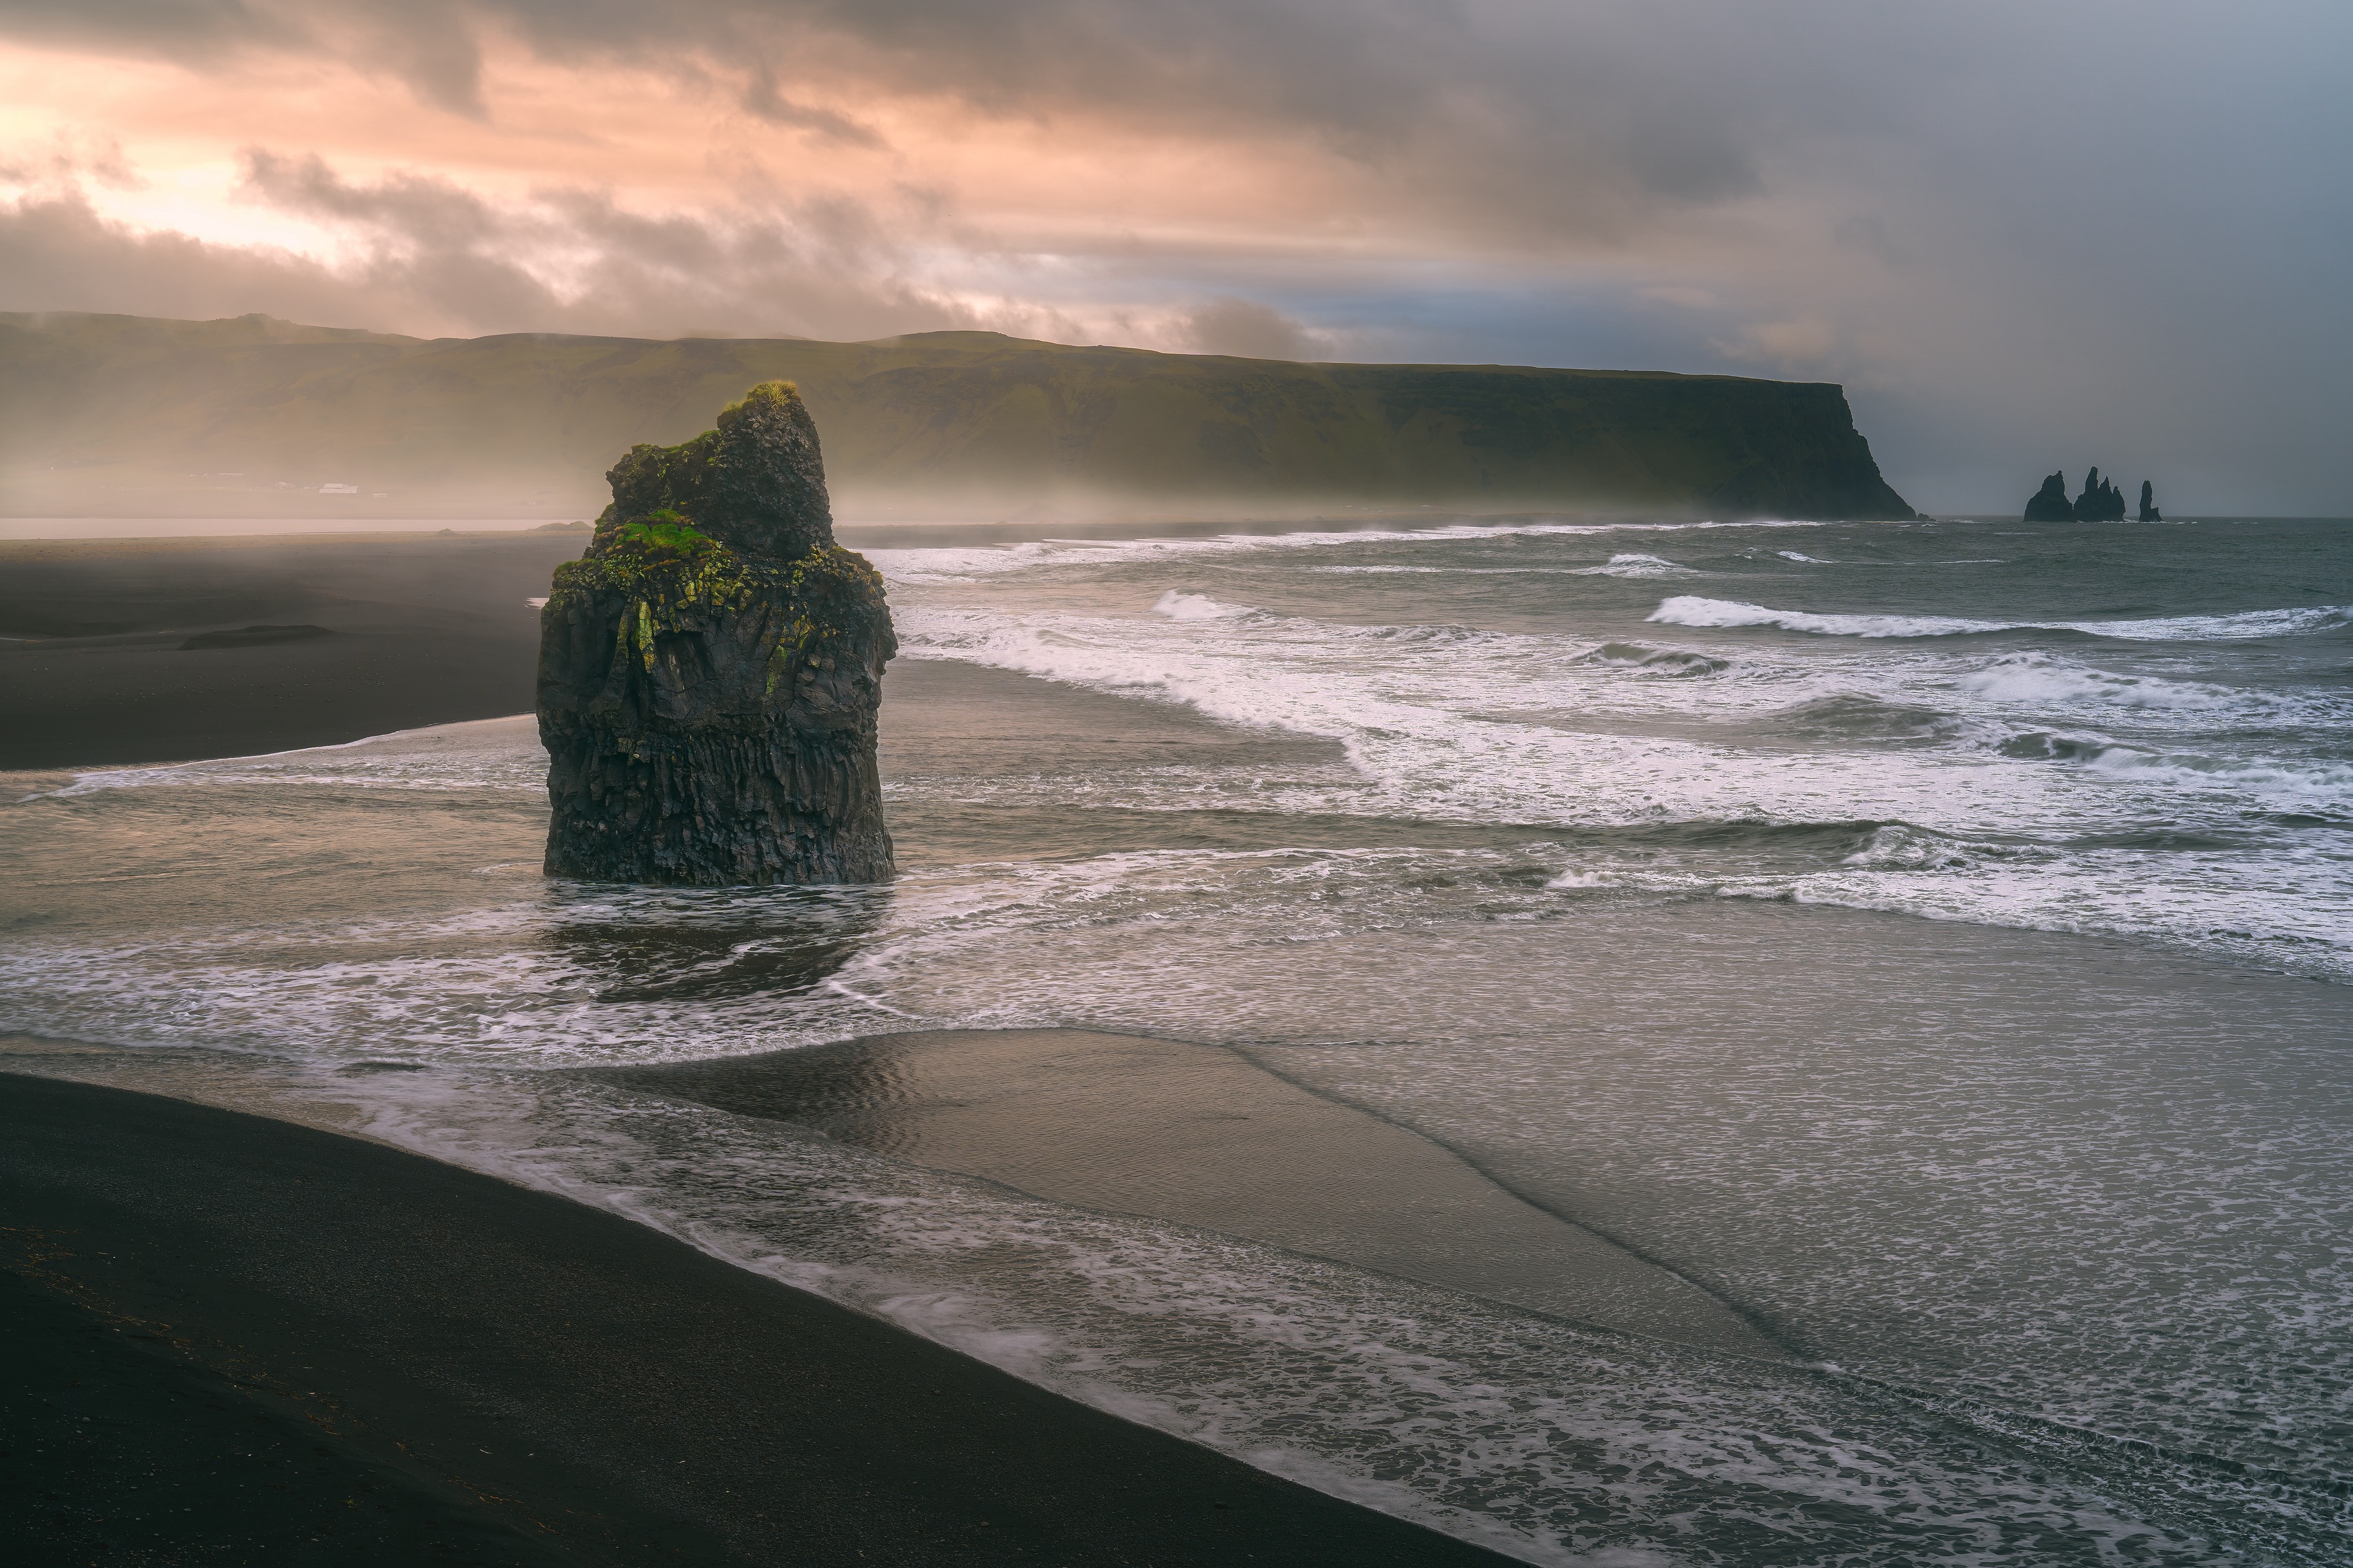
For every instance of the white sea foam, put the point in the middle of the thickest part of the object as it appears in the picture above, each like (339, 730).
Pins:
(975, 563)
(1385, 570)
(1687, 610)
(1466, 724)
(477, 755)
(1633, 563)
(1178, 605)
(1423, 716)
(2302, 782)
(1690, 610)
(2049, 679)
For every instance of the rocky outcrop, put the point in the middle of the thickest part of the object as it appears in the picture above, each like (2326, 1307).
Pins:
(709, 671)
(2100, 503)
(2050, 504)
(2101, 500)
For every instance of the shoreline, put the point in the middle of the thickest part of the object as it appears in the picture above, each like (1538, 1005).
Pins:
(1199, 1135)
(118, 654)
(392, 1346)
(128, 652)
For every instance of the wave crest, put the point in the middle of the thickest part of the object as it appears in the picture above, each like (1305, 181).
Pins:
(1691, 610)
(1179, 606)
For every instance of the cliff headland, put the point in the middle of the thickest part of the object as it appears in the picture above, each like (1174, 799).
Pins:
(125, 415)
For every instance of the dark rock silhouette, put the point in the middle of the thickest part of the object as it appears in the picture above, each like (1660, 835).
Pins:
(2101, 500)
(710, 670)
(2148, 512)
(2050, 504)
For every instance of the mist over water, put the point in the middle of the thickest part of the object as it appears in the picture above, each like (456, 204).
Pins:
(1931, 939)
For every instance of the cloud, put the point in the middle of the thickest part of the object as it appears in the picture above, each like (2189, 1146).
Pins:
(1247, 330)
(1501, 114)
(58, 253)
(2105, 228)
(760, 96)
(424, 255)
(1808, 342)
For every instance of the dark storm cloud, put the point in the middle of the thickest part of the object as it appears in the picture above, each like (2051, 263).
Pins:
(428, 44)
(1514, 113)
(2023, 235)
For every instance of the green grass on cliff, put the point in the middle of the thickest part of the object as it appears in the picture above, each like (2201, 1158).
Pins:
(662, 538)
(960, 424)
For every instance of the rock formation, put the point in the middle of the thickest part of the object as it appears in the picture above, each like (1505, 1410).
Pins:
(710, 670)
(2101, 500)
(958, 424)
(2148, 512)
(2050, 504)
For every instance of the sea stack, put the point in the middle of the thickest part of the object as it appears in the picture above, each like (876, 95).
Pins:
(2148, 512)
(711, 669)
(2101, 500)
(2050, 504)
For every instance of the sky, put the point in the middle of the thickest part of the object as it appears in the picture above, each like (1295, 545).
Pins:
(2024, 236)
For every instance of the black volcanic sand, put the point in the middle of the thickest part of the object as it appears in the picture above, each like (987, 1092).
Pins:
(299, 641)
(305, 640)
(1201, 1135)
(238, 1340)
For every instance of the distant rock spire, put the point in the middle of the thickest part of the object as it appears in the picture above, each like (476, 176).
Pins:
(2148, 512)
(2101, 500)
(2050, 504)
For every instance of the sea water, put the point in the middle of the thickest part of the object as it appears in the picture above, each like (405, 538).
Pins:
(1932, 940)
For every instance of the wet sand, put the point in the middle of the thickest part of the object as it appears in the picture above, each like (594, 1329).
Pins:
(1202, 1136)
(411, 631)
(238, 1339)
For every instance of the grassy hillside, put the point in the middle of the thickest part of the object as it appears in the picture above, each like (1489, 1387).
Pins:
(123, 414)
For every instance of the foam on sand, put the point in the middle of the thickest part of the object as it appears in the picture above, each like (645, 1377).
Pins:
(1197, 1134)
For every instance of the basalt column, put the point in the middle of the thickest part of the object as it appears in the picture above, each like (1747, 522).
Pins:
(710, 670)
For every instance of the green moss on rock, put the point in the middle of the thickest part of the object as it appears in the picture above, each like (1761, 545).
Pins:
(709, 671)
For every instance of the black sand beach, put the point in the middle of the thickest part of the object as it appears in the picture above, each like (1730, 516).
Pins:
(418, 630)
(243, 1341)
(1199, 1134)
(359, 634)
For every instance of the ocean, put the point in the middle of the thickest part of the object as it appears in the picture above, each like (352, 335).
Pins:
(1924, 951)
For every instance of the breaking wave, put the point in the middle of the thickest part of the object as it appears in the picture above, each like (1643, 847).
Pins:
(1689, 610)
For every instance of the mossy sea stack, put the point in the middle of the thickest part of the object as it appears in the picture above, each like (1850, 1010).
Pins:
(710, 668)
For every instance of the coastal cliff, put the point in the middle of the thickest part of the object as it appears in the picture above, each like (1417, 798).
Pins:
(252, 417)
(710, 670)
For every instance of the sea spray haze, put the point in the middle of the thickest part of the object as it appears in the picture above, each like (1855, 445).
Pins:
(710, 669)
